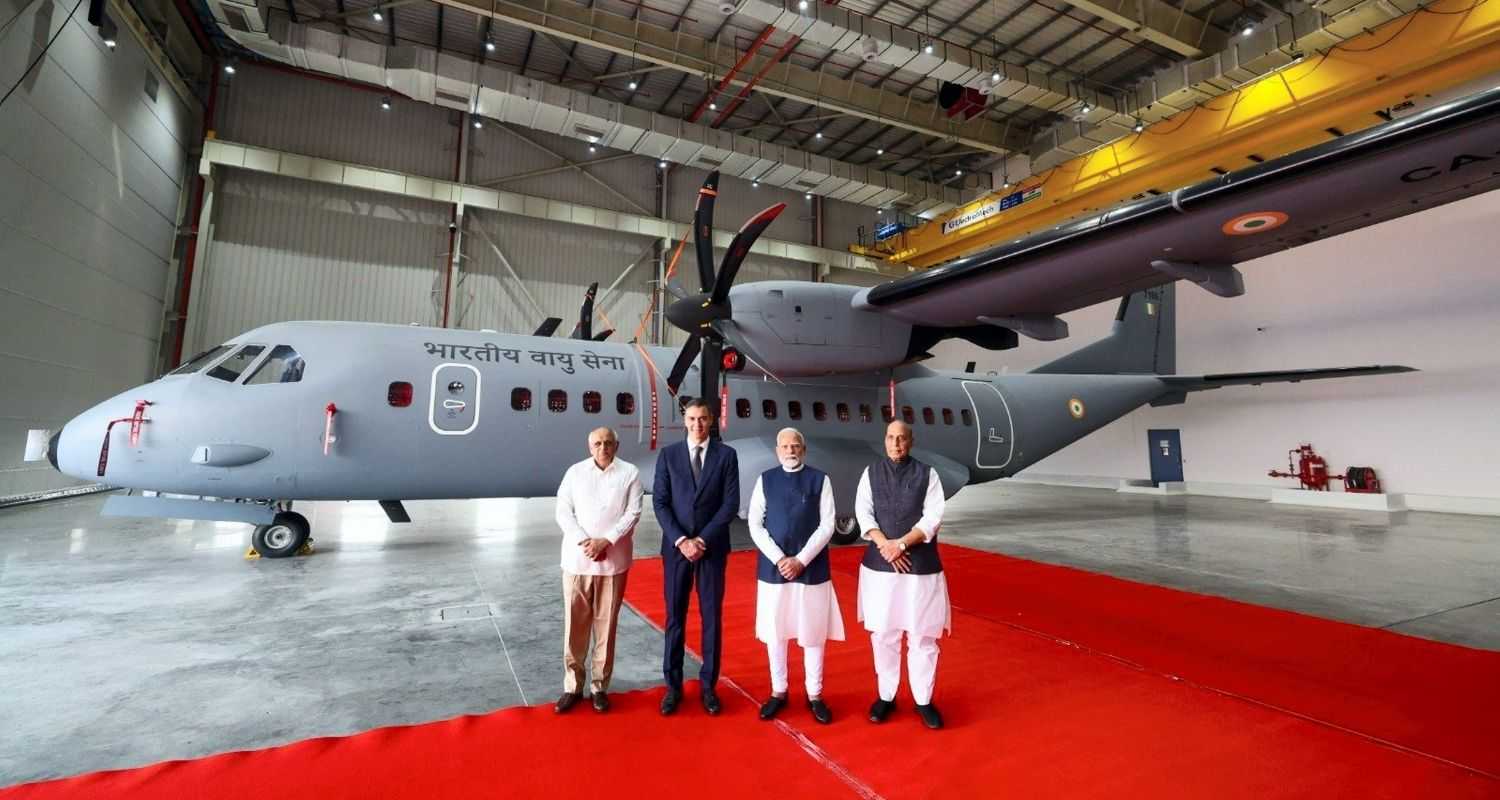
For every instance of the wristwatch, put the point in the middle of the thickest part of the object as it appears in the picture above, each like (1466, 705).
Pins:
(901, 545)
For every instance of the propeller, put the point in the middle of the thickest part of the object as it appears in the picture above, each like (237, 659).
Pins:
(585, 327)
(704, 315)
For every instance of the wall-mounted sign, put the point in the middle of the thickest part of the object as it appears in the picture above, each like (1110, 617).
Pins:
(991, 209)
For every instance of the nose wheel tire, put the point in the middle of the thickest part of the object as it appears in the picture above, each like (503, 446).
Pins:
(283, 537)
(845, 530)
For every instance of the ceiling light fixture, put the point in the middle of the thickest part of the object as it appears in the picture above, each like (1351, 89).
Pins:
(385, 103)
(633, 84)
(376, 15)
(662, 164)
(478, 123)
(1139, 125)
(713, 106)
(802, 5)
(880, 151)
(489, 44)
(229, 68)
(819, 134)
(1086, 109)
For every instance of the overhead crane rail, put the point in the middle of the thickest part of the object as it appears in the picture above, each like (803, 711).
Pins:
(1359, 83)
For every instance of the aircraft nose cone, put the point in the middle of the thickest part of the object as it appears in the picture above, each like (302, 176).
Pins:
(52, 448)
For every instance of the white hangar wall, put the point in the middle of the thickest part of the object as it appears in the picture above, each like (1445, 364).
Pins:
(1421, 291)
(92, 169)
(282, 248)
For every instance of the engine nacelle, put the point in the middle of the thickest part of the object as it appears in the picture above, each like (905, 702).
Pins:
(797, 329)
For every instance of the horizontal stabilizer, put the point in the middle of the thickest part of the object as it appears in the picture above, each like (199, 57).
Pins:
(1198, 383)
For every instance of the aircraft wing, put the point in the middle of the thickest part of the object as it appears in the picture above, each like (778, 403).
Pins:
(1179, 385)
(1433, 157)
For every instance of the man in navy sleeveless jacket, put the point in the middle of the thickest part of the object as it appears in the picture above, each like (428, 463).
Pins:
(791, 522)
(899, 505)
(696, 495)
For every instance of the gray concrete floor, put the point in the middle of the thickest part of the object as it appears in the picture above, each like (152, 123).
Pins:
(125, 642)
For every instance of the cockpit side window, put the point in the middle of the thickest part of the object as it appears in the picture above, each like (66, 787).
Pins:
(230, 368)
(284, 365)
(202, 359)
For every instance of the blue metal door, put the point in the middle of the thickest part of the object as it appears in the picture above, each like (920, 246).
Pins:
(1166, 455)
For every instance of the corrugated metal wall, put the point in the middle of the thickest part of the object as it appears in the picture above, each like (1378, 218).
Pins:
(322, 117)
(286, 249)
(91, 169)
(502, 151)
(555, 262)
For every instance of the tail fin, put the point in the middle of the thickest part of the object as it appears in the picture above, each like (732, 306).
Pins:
(1144, 340)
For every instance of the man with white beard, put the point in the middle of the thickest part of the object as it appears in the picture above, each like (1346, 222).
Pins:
(791, 522)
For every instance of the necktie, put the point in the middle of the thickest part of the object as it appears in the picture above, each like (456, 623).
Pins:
(697, 462)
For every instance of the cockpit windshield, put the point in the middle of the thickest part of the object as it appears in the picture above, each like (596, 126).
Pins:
(284, 365)
(230, 368)
(199, 361)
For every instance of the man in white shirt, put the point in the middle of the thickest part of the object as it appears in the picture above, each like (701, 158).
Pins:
(598, 505)
(791, 522)
(899, 505)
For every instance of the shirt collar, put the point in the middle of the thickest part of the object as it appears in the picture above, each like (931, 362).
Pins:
(606, 470)
(798, 469)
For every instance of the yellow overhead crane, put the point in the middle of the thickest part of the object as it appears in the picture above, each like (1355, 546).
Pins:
(1347, 88)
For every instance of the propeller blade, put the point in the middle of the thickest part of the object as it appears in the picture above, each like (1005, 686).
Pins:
(684, 361)
(604, 334)
(739, 248)
(585, 327)
(713, 354)
(703, 229)
(548, 326)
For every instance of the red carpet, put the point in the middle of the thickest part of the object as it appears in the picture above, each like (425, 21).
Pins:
(1058, 682)
(1055, 683)
(516, 752)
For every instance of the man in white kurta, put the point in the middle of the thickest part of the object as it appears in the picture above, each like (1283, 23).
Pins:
(598, 505)
(791, 522)
(899, 505)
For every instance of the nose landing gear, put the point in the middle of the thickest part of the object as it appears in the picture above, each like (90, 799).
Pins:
(845, 530)
(286, 535)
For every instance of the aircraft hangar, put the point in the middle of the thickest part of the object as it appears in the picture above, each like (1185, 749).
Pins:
(306, 307)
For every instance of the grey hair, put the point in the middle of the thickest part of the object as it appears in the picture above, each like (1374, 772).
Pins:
(609, 433)
(793, 431)
(905, 425)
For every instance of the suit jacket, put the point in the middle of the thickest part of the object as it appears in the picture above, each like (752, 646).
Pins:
(703, 509)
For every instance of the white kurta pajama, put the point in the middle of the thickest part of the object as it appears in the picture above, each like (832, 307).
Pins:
(891, 604)
(808, 613)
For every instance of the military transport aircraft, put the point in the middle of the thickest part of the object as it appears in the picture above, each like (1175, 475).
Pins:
(359, 411)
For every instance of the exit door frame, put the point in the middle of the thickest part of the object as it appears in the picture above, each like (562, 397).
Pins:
(979, 425)
(432, 399)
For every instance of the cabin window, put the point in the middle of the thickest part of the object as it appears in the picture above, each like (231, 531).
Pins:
(842, 410)
(908, 415)
(557, 401)
(864, 413)
(742, 408)
(947, 416)
(885, 414)
(520, 398)
(967, 417)
(625, 403)
(768, 407)
(284, 365)
(820, 411)
(593, 402)
(794, 409)
(202, 360)
(230, 368)
(398, 394)
(928, 417)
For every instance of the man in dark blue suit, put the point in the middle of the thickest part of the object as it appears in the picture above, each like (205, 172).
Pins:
(696, 495)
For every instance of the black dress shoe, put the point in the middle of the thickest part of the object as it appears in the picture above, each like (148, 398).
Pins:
(930, 716)
(670, 700)
(711, 702)
(565, 702)
(771, 707)
(601, 702)
(820, 711)
(880, 708)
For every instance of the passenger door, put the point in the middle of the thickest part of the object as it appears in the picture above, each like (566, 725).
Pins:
(453, 403)
(996, 437)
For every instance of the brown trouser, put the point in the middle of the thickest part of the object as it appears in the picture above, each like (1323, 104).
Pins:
(591, 604)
